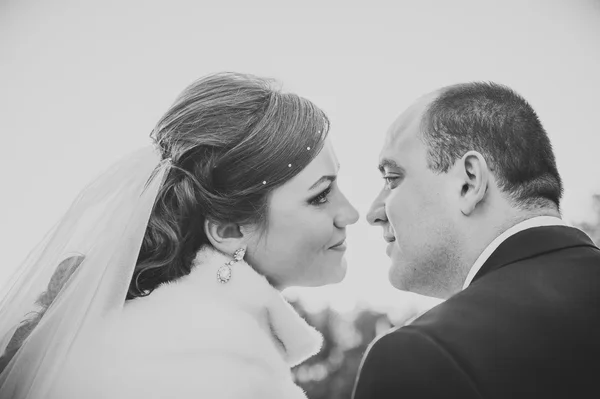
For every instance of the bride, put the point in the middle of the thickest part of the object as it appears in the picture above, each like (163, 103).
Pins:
(163, 279)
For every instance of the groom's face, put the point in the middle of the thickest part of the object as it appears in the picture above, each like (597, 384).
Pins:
(415, 209)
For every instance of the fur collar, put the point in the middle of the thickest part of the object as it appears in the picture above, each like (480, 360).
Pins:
(250, 292)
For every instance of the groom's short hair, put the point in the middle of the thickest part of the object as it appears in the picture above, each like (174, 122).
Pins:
(501, 125)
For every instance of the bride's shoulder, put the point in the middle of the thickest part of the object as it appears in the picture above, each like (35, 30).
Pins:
(184, 315)
(194, 323)
(194, 313)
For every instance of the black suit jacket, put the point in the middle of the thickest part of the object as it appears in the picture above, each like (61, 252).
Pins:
(528, 326)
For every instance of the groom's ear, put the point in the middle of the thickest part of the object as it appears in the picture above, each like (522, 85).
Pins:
(475, 177)
(226, 237)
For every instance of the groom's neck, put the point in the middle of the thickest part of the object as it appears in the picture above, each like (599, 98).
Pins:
(485, 230)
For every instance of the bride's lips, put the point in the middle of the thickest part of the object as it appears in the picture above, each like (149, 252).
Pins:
(339, 246)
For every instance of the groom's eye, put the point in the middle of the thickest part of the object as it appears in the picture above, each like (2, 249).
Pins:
(391, 180)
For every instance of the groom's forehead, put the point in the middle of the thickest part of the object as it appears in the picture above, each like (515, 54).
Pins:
(394, 151)
(406, 128)
(402, 132)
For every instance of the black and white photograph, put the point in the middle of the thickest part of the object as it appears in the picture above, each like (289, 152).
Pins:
(299, 200)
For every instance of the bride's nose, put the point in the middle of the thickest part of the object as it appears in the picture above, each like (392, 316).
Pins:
(346, 215)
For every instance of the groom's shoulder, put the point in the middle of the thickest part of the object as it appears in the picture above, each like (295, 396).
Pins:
(415, 356)
(421, 352)
(407, 338)
(422, 335)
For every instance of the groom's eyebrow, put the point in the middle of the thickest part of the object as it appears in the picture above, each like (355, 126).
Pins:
(388, 163)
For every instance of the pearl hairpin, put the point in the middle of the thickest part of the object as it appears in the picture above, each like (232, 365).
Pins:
(289, 165)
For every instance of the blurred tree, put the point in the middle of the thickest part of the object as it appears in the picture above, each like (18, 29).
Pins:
(593, 228)
(331, 373)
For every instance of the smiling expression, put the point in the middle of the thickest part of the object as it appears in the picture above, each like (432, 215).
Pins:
(414, 208)
(304, 240)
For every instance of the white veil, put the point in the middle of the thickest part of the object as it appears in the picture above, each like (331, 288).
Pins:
(78, 275)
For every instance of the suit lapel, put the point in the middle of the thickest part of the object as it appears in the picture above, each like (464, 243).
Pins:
(534, 242)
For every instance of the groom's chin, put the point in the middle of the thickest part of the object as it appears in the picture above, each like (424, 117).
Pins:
(409, 283)
(398, 277)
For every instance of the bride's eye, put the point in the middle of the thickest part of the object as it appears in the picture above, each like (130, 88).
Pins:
(321, 198)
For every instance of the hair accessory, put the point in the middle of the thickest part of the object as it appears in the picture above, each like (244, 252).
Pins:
(308, 148)
(264, 182)
(224, 272)
(289, 165)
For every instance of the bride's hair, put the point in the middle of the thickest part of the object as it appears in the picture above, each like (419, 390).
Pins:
(232, 139)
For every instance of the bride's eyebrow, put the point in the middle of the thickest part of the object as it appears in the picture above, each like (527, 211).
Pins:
(329, 178)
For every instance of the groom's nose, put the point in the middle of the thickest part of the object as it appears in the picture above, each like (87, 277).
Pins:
(376, 214)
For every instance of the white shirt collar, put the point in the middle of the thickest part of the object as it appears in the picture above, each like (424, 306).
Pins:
(537, 221)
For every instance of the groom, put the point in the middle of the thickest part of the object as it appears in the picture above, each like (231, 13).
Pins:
(470, 211)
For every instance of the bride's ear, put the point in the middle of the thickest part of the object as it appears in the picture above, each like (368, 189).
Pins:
(226, 237)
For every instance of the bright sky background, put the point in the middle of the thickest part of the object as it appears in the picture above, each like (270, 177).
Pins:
(82, 83)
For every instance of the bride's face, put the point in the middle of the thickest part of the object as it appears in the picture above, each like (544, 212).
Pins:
(303, 243)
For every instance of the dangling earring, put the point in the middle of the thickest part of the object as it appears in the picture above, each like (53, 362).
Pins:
(224, 272)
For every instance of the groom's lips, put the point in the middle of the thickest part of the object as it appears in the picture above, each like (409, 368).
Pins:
(389, 240)
(388, 249)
